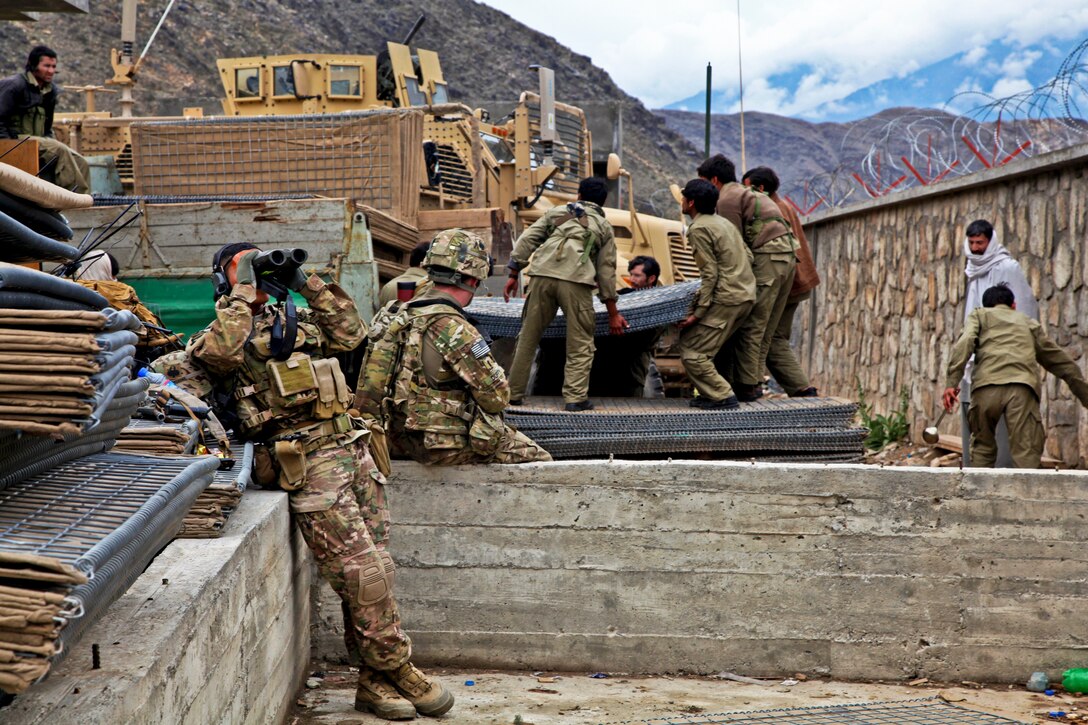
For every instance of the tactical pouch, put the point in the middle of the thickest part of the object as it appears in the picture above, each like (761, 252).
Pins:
(291, 455)
(379, 447)
(333, 394)
(486, 433)
(264, 468)
(294, 380)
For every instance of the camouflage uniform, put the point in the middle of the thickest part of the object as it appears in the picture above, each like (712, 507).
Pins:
(432, 381)
(336, 492)
(415, 275)
(565, 257)
(447, 391)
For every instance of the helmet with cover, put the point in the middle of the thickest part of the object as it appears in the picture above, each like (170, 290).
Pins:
(455, 254)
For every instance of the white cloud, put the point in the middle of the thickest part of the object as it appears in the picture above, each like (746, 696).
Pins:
(659, 51)
(973, 56)
(1005, 87)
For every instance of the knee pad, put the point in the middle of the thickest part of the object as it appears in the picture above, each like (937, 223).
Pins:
(376, 577)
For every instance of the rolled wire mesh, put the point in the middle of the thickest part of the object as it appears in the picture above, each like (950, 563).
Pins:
(643, 310)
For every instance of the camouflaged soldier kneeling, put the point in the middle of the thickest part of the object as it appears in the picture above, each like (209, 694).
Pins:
(288, 394)
(429, 375)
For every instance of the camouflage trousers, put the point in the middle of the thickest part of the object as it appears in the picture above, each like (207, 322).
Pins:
(343, 517)
(516, 447)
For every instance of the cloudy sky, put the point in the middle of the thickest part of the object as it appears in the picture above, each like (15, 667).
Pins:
(797, 54)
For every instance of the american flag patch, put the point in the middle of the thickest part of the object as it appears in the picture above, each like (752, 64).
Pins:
(480, 349)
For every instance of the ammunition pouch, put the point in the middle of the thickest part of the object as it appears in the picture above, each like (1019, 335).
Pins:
(379, 447)
(291, 455)
(486, 432)
(333, 394)
(264, 468)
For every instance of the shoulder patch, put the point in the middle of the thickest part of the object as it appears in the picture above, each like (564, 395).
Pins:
(480, 349)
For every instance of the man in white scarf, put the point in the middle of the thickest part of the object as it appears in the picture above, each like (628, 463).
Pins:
(989, 263)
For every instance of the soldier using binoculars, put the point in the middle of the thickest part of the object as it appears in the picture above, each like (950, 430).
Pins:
(284, 390)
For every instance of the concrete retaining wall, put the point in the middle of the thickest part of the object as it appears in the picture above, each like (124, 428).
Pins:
(215, 631)
(892, 299)
(848, 571)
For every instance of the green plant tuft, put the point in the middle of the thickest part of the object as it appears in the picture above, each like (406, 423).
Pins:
(884, 429)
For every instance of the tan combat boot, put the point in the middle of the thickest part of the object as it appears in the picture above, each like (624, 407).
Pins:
(375, 694)
(428, 695)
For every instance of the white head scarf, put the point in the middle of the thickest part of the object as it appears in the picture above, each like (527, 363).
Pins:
(97, 267)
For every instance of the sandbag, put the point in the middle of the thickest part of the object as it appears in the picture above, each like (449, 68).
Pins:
(20, 243)
(43, 193)
(13, 277)
(44, 221)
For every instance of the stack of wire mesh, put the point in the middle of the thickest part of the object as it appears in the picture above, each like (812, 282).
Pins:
(796, 429)
(643, 310)
(73, 538)
(77, 523)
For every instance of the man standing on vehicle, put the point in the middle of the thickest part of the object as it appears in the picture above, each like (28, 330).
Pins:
(287, 392)
(566, 252)
(429, 375)
(27, 103)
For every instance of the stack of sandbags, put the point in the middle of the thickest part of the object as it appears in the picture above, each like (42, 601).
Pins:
(59, 370)
(75, 537)
(31, 228)
(161, 439)
(217, 502)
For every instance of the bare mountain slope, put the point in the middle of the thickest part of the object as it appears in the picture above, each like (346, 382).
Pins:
(485, 54)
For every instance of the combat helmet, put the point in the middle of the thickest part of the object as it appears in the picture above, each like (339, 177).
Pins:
(455, 254)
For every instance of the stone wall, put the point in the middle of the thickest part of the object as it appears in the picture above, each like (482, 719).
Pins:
(856, 572)
(891, 302)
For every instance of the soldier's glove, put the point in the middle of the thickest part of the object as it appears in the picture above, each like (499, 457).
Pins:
(298, 280)
(244, 271)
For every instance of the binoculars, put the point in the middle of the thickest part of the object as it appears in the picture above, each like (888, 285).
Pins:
(275, 268)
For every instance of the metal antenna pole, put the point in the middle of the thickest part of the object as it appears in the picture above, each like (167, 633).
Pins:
(740, 75)
(706, 136)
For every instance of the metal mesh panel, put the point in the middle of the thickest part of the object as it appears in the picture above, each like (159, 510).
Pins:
(372, 157)
(568, 152)
(800, 429)
(909, 712)
(64, 512)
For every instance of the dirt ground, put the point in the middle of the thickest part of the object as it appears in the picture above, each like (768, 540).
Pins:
(500, 698)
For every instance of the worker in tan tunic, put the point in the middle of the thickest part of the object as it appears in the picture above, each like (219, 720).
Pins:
(782, 363)
(727, 289)
(774, 249)
(1008, 347)
(567, 252)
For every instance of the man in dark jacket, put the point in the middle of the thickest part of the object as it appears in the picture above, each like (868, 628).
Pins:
(27, 102)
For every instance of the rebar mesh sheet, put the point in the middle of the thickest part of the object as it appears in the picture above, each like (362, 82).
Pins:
(643, 310)
(192, 199)
(908, 712)
(792, 429)
(66, 511)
